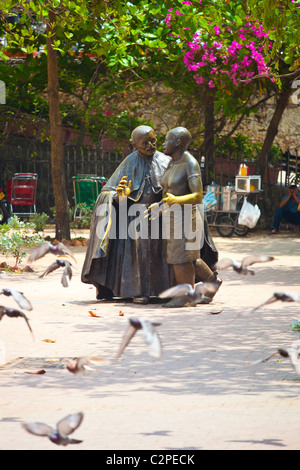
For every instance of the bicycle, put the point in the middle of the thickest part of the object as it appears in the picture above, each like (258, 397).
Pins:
(226, 223)
(226, 220)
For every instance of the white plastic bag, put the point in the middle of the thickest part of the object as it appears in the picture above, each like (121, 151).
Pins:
(249, 214)
(209, 200)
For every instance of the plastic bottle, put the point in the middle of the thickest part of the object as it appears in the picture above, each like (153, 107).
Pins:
(243, 170)
(216, 192)
(225, 198)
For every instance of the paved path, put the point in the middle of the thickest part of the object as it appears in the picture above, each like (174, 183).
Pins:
(203, 394)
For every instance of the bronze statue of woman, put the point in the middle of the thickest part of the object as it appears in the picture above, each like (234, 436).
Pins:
(182, 186)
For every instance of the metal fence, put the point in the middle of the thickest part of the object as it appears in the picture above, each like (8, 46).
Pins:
(35, 157)
(25, 155)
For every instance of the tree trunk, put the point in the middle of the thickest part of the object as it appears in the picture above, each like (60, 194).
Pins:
(209, 137)
(272, 130)
(57, 162)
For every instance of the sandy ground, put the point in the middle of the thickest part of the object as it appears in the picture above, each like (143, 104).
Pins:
(203, 394)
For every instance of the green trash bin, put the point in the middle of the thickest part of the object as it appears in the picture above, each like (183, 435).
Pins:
(86, 190)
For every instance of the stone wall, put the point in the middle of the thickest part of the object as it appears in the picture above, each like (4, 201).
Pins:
(157, 104)
(162, 107)
(288, 137)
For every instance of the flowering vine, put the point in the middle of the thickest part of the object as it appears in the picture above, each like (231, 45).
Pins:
(215, 61)
(220, 54)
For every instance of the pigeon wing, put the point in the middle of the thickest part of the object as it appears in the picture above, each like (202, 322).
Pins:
(204, 289)
(127, 337)
(294, 357)
(68, 424)
(225, 263)
(152, 339)
(177, 291)
(2, 311)
(68, 269)
(287, 296)
(66, 275)
(13, 313)
(267, 302)
(21, 300)
(63, 249)
(82, 363)
(27, 321)
(39, 429)
(293, 352)
(249, 260)
(40, 251)
(50, 269)
(17, 313)
(266, 358)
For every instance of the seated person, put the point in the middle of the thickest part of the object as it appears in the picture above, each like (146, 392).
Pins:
(288, 209)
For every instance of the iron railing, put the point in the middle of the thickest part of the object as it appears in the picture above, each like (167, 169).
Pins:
(36, 158)
(30, 156)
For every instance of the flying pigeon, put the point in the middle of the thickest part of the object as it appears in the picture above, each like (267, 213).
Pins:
(293, 352)
(60, 434)
(46, 247)
(19, 297)
(286, 296)
(243, 267)
(201, 293)
(81, 364)
(12, 313)
(151, 337)
(67, 272)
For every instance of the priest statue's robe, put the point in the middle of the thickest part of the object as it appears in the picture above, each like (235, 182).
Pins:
(121, 261)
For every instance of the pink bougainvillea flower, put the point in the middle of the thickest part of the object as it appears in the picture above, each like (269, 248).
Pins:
(238, 60)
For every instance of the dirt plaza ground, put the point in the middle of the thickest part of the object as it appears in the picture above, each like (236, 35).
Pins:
(204, 394)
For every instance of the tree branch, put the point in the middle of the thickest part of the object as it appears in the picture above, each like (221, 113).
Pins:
(243, 116)
(293, 74)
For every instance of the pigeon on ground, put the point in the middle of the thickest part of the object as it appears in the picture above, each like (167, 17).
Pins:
(60, 434)
(293, 352)
(67, 272)
(151, 337)
(203, 292)
(19, 297)
(286, 296)
(243, 267)
(13, 313)
(81, 364)
(46, 247)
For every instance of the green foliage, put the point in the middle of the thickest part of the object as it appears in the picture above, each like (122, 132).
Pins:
(83, 215)
(25, 84)
(295, 326)
(71, 213)
(116, 125)
(39, 221)
(282, 21)
(105, 47)
(16, 237)
(101, 47)
(241, 147)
